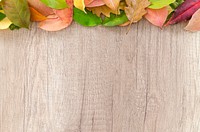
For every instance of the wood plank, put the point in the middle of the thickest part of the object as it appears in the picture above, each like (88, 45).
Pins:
(100, 80)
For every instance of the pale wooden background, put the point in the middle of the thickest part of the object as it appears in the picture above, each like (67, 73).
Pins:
(100, 80)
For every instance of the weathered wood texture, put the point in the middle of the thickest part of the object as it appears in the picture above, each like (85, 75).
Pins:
(100, 80)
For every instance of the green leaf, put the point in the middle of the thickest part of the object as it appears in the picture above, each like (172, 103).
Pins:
(13, 27)
(86, 19)
(115, 20)
(17, 11)
(158, 4)
(55, 4)
(176, 4)
(2, 16)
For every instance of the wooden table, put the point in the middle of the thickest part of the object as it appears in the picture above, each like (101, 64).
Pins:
(100, 80)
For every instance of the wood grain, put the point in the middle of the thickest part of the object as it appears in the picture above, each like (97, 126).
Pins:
(100, 80)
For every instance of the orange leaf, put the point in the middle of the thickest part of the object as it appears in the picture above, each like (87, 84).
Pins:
(40, 7)
(59, 20)
(112, 4)
(55, 19)
(95, 3)
(157, 16)
(36, 16)
(194, 23)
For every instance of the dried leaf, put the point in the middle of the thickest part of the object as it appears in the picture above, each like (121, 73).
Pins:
(95, 3)
(105, 10)
(136, 9)
(112, 4)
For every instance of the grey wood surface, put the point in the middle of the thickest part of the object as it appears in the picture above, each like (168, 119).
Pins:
(100, 80)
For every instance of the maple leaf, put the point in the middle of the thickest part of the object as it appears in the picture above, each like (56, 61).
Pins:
(95, 3)
(136, 9)
(194, 23)
(105, 10)
(88, 2)
(113, 4)
(184, 11)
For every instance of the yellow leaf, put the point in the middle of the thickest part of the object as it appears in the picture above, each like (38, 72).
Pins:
(79, 4)
(105, 10)
(136, 9)
(5, 23)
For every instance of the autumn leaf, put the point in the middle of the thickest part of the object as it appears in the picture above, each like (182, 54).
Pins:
(13, 27)
(95, 3)
(86, 19)
(4, 21)
(88, 2)
(136, 9)
(56, 19)
(125, 24)
(194, 23)
(40, 7)
(176, 4)
(59, 20)
(79, 4)
(2, 15)
(115, 20)
(157, 16)
(184, 11)
(55, 4)
(105, 10)
(17, 12)
(112, 4)
(36, 16)
(158, 4)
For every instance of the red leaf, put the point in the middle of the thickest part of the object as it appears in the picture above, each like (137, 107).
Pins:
(184, 11)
